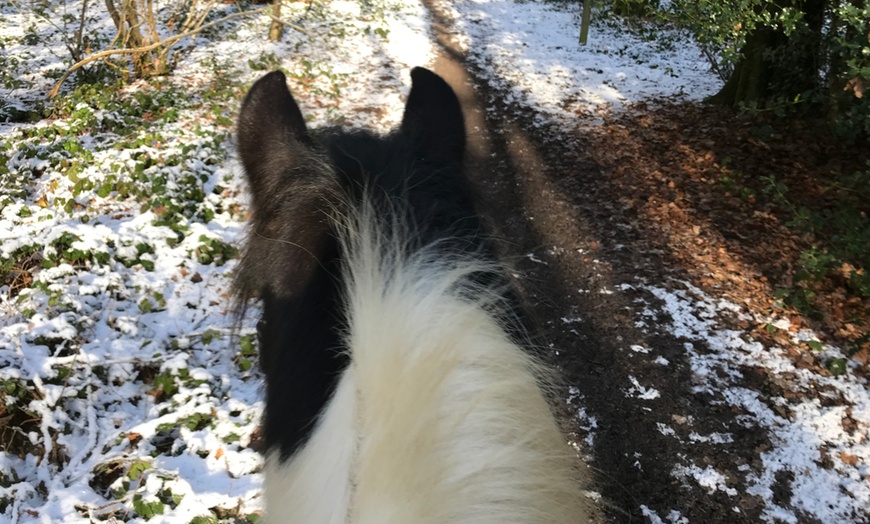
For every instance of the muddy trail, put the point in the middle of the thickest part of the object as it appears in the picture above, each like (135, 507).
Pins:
(588, 266)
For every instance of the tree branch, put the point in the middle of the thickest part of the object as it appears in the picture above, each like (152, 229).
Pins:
(165, 42)
(288, 24)
(79, 34)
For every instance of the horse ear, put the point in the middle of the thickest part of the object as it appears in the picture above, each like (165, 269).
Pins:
(292, 191)
(433, 117)
(272, 136)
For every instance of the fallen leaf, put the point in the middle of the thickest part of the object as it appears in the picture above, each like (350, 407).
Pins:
(849, 459)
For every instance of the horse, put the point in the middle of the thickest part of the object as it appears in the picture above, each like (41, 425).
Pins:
(397, 390)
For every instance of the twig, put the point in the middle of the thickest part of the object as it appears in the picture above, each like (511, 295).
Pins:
(288, 24)
(166, 42)
(149, 12)
(201, 16)
(80, 32)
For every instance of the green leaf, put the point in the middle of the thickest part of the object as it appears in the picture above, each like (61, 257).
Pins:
(137, 468)
(176, 499)
(161, 301)
(145, 305)
(195, 422)
(105, 190)
(246, 342)
(79, 186)
(837, 366)
(62, 372)
(145, 509)
(166, 382)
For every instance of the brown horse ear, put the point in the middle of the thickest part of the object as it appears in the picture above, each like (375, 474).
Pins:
(433, 118)
(272, 137)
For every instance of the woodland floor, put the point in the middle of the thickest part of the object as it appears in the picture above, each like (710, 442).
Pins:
(641, 194)
(644, 197)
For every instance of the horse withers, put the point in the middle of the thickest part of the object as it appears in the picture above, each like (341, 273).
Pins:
(395, 390)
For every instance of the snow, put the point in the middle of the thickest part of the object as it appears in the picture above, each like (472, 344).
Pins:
(641, 392)
(800, 439)
(531, 50)
(129, 354)
(708, 478)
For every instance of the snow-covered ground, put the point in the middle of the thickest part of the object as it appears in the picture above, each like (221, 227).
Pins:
(125, 213)
(531, 50)
(119, 216)
(806, 431)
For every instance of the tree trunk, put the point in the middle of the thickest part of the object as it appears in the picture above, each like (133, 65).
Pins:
(775, 65)
(749, 81)
(276, 30)
(584, 23)
(129, 20)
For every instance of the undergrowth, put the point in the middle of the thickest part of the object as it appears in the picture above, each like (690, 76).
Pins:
(835, 230)
(120, 213)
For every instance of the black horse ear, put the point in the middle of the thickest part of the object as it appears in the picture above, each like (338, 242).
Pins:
(433, 117)
(293, 192)
(272, 136)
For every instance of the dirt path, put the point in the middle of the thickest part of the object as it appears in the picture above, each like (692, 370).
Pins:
(576, 249)
(536, 199)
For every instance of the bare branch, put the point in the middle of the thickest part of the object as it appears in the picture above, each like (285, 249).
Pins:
(165, 42)
(288, 24)
(79, 34)
(113, 12)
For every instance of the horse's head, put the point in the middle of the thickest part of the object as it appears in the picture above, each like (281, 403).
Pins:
(299, 177)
